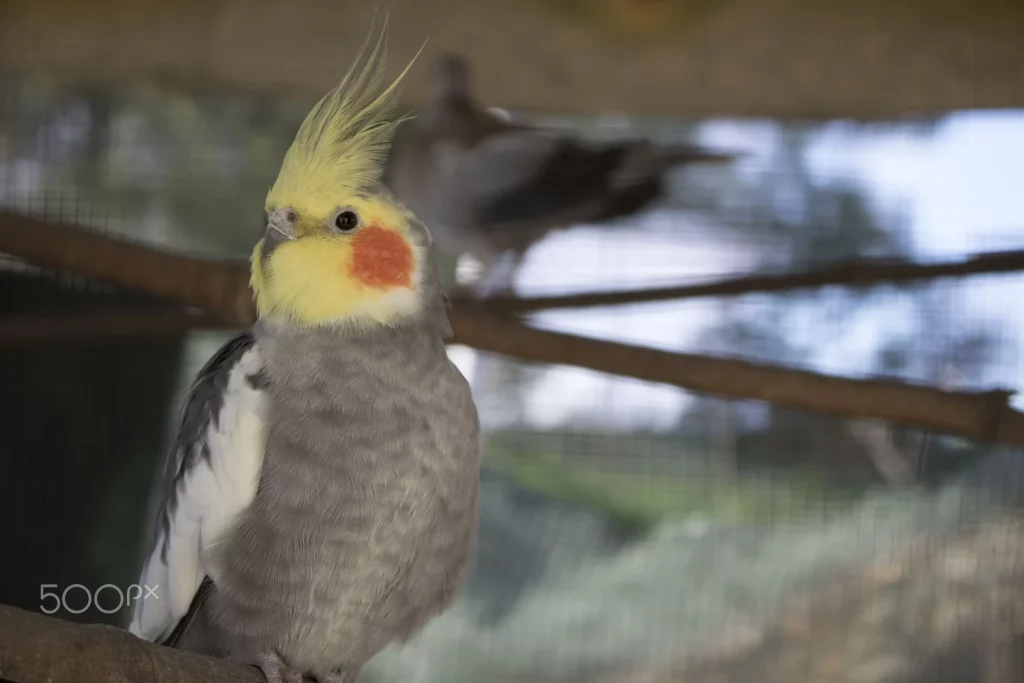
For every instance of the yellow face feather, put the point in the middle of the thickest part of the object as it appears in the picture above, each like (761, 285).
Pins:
(321, 278)
(317, 271)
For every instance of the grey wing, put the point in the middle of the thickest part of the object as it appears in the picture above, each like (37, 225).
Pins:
(534, 178)
(211, 476)
(443, 179)
(540, 177)
(503, 188)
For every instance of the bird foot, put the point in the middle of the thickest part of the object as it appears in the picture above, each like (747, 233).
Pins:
(341, 676)
(276, 671)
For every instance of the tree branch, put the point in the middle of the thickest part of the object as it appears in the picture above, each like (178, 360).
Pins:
(38, 649)
(63, 328)
(218, 286)
(853, 274)
(982, 416)
(221, 287)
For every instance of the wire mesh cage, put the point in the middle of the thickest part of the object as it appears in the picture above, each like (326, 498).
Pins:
(630, 530)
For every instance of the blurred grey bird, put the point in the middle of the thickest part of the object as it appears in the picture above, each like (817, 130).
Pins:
(491, 188)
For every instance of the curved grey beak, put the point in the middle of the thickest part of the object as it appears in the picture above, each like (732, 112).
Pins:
(280, 229)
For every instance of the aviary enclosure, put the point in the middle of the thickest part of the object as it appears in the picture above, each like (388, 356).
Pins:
(764, 430)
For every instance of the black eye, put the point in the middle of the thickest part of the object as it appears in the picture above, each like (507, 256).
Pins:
(346, 221)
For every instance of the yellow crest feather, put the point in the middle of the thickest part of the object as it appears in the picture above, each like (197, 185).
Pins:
(342, 144)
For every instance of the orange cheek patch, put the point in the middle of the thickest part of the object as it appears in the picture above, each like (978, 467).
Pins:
(381, 259)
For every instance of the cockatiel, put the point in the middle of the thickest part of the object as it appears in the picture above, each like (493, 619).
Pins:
(492, 188)
(320, 499)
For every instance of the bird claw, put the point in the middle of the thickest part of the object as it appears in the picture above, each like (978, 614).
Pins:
(341, 676)
(276, 671)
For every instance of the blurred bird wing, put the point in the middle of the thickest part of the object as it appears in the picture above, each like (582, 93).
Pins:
(211, 476)
(531, 176)
(502, 162)
(500, 114)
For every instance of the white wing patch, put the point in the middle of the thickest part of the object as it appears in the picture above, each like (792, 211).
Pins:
(209, 499)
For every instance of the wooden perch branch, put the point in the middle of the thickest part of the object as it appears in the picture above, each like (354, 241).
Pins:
(983, 416)
(220, 287)
(63, 328)
(38, 649)
(867, 272)
(213, 285)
